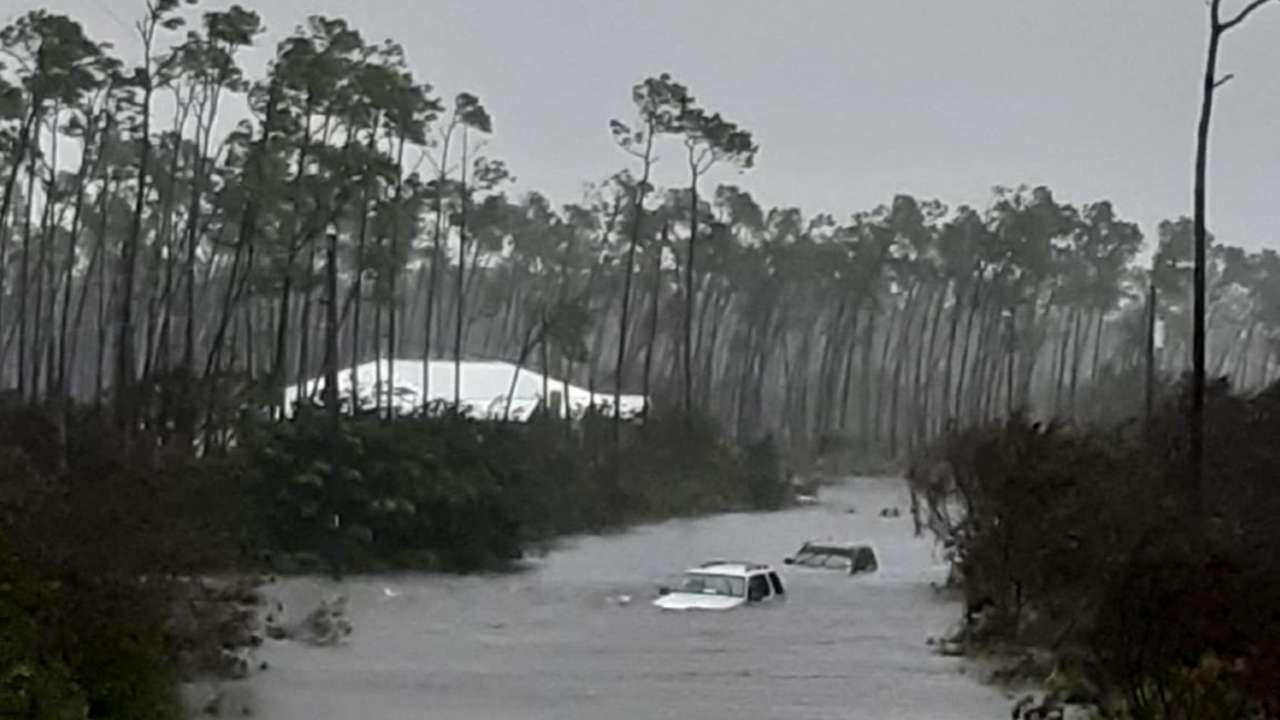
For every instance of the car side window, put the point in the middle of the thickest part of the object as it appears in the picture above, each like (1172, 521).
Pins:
(777, 584)
(838, 562)
(757, 588)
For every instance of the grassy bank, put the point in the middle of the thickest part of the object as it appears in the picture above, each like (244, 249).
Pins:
(1091, 545)
(102, 533)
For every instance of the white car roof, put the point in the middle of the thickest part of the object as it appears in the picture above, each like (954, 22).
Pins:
(733, 568)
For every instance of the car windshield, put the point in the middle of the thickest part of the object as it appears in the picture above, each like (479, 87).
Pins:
(821, 557)
(823, 560)
(706, 584)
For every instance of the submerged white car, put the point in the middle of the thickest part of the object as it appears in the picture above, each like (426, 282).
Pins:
(722, 585)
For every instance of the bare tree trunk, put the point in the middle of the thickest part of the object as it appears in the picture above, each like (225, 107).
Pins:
(21, 144)
(375, 338)
(720, 306)
(462, 255)
(957, 306)
(545, 366)
(980, 394)
(890, 331)
(24, 279)
(964, 352)
(68, 270)
(304, 325)
(830, 343)
(1201, 245)
(1060, 383)
(1097, 346)
(43, 272)
(96, 261)
(1243, 373)
(895, 382)
(869, 335)
(851, 349)
(1150, 349)
(186, 410)
(1217, 27)
(924, 385)
(124, 339)
(393, 336)
(691, 297)
(1011, 354)
(637, 218)
(101, 325)
(331, 404)
(1076, 352)
(653, 321)
(436, 260)
(530, 340)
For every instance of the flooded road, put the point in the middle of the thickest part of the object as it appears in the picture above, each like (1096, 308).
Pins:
(555, 642)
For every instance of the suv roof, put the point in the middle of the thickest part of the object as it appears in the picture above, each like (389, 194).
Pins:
(729, 567)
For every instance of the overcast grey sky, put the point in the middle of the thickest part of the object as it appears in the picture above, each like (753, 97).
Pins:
(853, 101)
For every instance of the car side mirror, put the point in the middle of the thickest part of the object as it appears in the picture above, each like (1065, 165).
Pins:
(664, 590)
(755, 596)
(789, 561)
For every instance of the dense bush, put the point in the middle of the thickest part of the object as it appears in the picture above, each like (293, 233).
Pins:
(81, 633)
(73, 647)
(98, 532)
(454, 493)
(1087, 541)
(384, 491)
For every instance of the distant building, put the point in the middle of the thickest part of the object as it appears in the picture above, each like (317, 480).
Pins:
(485, 386)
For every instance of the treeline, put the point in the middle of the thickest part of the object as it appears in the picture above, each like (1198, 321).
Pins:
(155, 264)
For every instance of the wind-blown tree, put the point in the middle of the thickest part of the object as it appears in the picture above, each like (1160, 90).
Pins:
(659, 103)
(1171, 274)
(93, 124)
(410, 111)
(208, 65)
(912, 274)
(1032, 230)
(59, 68)
(961, 242)
(161, 15)
(447, 197)
(709, 139)
(1109, 246)
(485, 176)
(389, 90)
(318, 155)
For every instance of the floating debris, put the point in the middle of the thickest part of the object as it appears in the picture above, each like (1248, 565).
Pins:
(328, 624)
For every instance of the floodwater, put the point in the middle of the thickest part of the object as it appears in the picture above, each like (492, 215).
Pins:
(556, 641)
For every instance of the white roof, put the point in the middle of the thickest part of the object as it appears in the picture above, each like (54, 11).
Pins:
(730, 568)
(485, 388)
